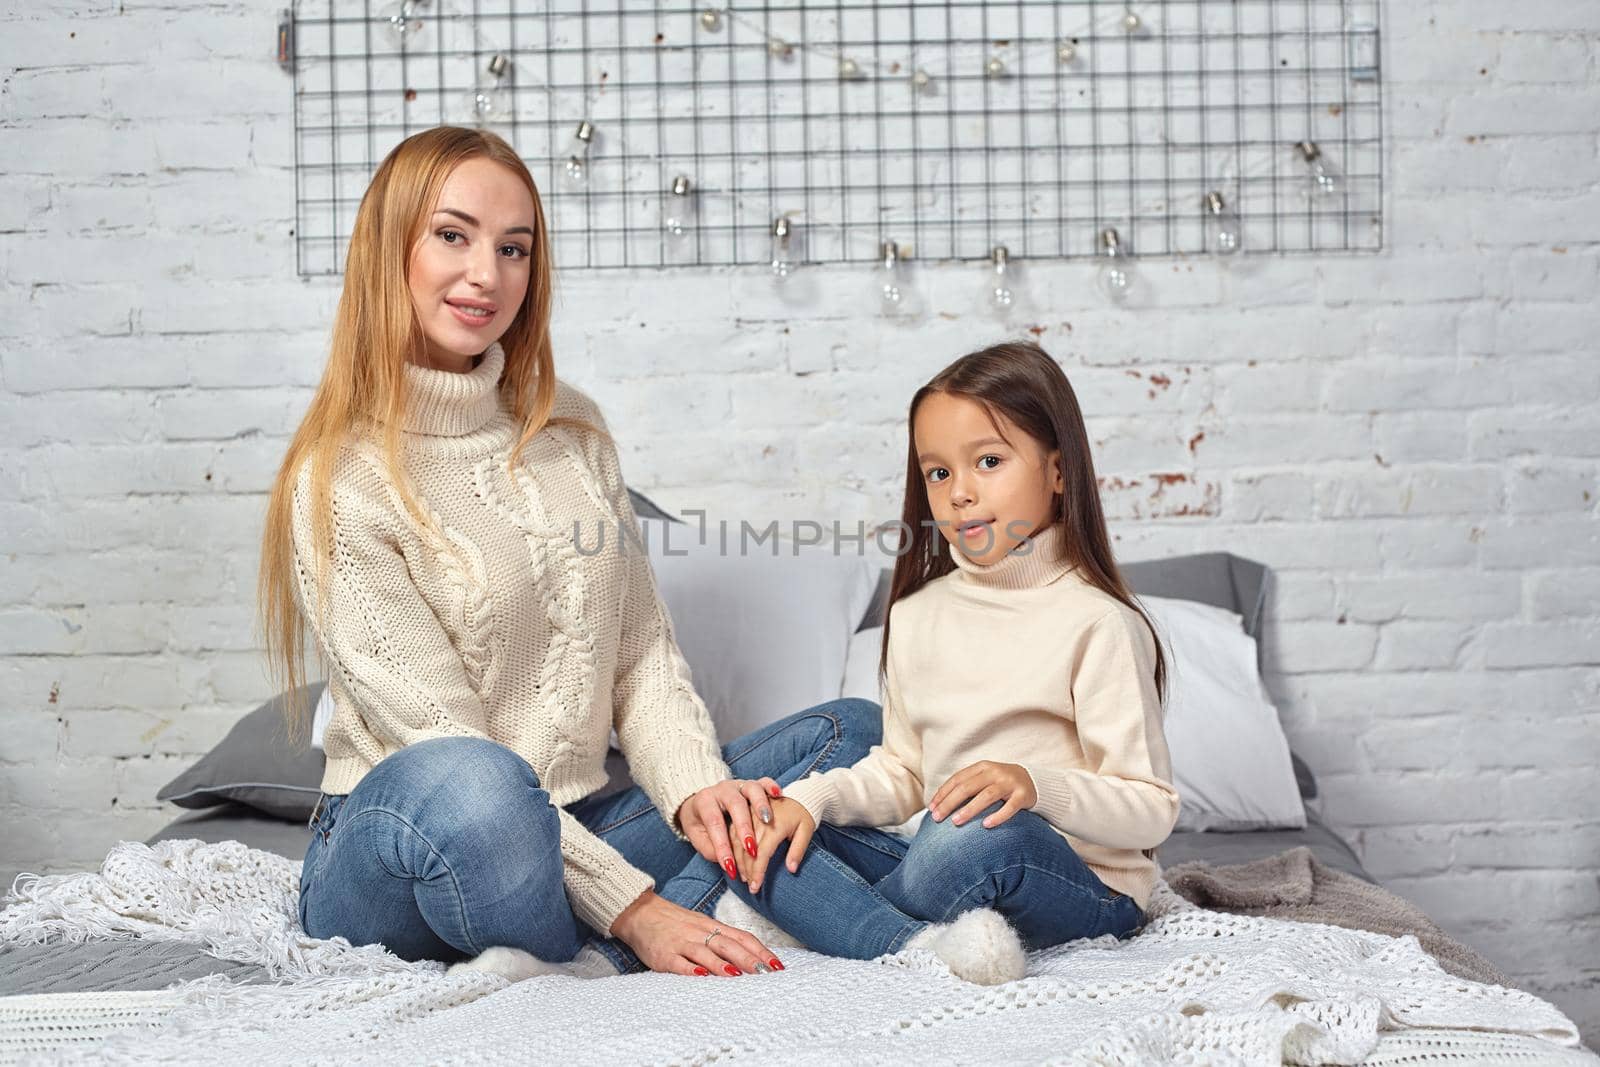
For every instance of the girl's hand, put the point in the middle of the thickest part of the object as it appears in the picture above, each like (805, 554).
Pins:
(984, 783)
(790, 820)
(672, 939)
(705, 817)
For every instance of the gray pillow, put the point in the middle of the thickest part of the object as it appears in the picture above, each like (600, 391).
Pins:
(256, 765)
(1220, 579)
(646, 508)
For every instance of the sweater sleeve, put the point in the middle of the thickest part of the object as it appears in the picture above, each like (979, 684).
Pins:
(407, 680)
(663, 727)
(1124, 798)
(885, 787)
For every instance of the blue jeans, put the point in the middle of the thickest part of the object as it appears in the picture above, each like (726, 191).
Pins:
(861, 892)
(450, 846)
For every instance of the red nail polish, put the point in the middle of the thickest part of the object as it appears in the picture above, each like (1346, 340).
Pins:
(702, 972)
(732, 971)
(750, 845)
(775, 791)
(727, 865)
(774, 964)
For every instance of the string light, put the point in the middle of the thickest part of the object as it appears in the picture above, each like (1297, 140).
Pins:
(1223, 233)
(401, 21)
(1116, 272)
(711, 19)
(995, 67)
(679, 220)
(998, 297)
(485, 103)
(578, 154)
(783, 263)
(896, 297)
(1115, 276)
(1066, 51)
(1322, 179)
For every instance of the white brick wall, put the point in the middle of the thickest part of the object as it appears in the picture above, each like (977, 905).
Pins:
(1410, 439)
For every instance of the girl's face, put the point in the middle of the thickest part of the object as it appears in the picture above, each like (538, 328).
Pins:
(989, 486)
(470, 269)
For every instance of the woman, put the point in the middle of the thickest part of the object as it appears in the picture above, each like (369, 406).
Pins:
(422, 526)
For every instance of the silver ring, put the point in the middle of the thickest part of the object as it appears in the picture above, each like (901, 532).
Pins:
(714, 932)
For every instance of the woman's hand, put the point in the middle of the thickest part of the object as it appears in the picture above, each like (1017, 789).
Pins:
(673, 939)
(705, 818)
(984, 783)
(790, 820)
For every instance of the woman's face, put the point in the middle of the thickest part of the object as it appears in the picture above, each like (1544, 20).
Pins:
(989, 486)
(470, 270)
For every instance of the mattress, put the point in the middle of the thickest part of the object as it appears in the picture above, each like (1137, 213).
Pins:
(236, 822)
(143, 965)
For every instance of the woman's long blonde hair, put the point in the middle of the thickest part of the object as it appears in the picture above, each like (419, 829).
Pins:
(376, 331)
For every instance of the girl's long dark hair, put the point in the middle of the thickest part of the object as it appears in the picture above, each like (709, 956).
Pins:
(1019, 380)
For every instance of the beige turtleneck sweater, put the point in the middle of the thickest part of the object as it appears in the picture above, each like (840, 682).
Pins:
(494, 624)
(1021, 662)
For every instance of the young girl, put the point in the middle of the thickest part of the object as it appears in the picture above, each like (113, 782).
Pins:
(1022, 706)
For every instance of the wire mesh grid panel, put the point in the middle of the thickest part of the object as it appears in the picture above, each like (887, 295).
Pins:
(665, 134)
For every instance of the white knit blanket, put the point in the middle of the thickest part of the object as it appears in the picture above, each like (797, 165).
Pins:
(1195, 986)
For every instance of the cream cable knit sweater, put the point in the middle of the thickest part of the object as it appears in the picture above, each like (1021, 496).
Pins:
(494, 624)
(1021, 661)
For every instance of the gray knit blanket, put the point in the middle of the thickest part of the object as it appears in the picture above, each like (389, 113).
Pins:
(1296, 885)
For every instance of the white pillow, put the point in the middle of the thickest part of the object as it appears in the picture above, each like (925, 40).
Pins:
(861, 666)
(320, 717)
(1230, 758)
(765, 636)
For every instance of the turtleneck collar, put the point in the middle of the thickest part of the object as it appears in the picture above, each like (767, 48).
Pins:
(454, 403)
(1022, 568)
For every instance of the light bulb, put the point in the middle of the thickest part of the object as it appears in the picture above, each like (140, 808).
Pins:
(995, 67)
(711, 19)
(999, 296)
(578, 154)
(782, 249)
(400, 21)
(1322, 179)
(1116, 270)
(487, 102)
(897, 298)
(1066, 51)
(679, 218)
(920, 80)
(849, 68)
(483, 105)
(1223, 233)
(1132, 22)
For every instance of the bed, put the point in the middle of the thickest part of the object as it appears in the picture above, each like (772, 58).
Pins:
(184, 948)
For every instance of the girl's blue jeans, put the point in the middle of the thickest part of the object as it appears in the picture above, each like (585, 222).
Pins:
(450, 846)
